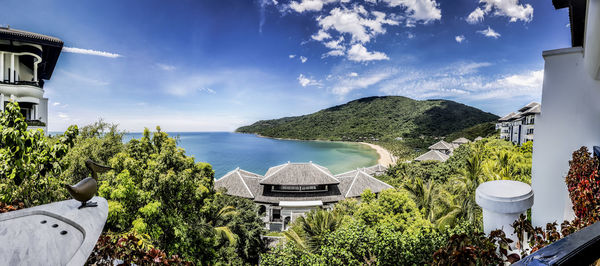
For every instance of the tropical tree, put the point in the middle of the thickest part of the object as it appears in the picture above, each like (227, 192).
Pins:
(425, 195)
(310, 230)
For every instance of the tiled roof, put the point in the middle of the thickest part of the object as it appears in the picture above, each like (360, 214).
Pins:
(237, 183)
(433, 155)
(461, 141)
(299, 174)
(354, 186)
(441, 145)
(26, 36)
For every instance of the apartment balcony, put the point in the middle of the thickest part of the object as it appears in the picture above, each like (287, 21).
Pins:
(23, 91)
(35, 123)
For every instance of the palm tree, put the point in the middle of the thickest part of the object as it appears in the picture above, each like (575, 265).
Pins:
(462, 204)
(311, 229)
(219, 224)
(425, 196)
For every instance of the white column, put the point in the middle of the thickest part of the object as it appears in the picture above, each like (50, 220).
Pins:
(12, 68)
(35, 70)
(1, 66)
(1, 102)
(34, 112)
(502, 202)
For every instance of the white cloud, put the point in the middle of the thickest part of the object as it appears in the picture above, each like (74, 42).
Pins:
(459, 38)
(321, 35)
(489, 32)
(506, 8)
(303, 59)
(353, 74)
(166, 67)
(89, 52)
(359, 53)
(463, 81)
(306, 81)
(56, 104)
(467, 68)
(334, 53)
(291, 56)
(356, 22)
(346, 86)
(309, 5)
(344, 24)
(419, 10)
(476, 16)
(63, 116)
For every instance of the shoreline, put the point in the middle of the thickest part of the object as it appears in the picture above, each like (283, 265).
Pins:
(386, 158)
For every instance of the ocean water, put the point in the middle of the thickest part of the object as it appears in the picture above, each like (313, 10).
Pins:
(225, 151)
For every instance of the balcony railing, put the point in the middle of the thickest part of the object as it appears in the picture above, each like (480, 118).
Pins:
(39, 84)
(35, 123)
(579, 248)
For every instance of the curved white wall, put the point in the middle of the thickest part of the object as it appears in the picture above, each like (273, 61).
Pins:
(570, 119)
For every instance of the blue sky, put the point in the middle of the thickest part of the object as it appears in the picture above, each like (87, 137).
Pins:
(214, 65)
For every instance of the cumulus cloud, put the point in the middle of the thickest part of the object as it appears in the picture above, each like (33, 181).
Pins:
(489, 32)
(356, 23)
(306, 81)
(303, 59)
(507, 8)
(342, 25)
(476, 16)
(459, 38)
(291, 56)
(353, 74)
(75, 50)
(320, 35)
(311, 5)
(419, 10)
(359, 53)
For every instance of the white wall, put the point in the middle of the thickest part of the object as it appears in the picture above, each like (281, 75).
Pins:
(570, 119)
(42, 111)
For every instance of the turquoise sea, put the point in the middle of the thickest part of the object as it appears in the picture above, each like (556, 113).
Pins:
(225, 151)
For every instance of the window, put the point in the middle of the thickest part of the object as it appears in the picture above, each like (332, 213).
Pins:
(292, 188)
(276, 214)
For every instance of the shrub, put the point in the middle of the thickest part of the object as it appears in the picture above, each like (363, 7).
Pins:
(583, 183)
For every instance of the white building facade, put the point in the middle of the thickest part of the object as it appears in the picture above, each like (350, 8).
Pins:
(518, 127)
(571, 113)
(26, 60)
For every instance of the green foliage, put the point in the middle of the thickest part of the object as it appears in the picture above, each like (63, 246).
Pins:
(310, 230)
(375, 118)
(130, 249)
(30, 163)
(157, 195)
(483, 130)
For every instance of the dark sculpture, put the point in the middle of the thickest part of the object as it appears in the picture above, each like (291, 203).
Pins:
(87, 188)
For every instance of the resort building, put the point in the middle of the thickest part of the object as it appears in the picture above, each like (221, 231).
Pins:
(517, 127)
(441, 150)
(443, 147)
(433, 155)
(26, 60)
(289, 190)
(460, 141)
(570, 114)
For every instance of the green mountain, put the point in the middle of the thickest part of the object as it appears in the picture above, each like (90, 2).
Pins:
(372, 118)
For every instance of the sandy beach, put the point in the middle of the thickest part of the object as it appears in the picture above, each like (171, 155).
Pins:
(385, 157)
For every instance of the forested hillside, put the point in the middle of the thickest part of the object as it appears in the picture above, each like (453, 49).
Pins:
(373, 118)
